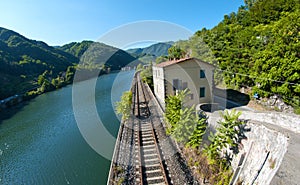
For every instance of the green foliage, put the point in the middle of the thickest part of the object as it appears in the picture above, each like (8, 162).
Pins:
(256, 47)
(21, 57)
(175, 53)
(146, 58)
(139, 67)
(280, 59)
(173, 106)
(156, 52)
(77, 48)
(44, 82)
(147, 75)
(161, 59)
(199, 130)
(208, 172)
(228, 136)
(159, 49)
(297, 110)
(70, 74)
(195, 47)
(99, 55)
(185, 125)
(229, 130)
(30, 94)
(123, 107)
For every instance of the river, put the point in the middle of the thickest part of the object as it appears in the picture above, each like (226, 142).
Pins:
(41, 143)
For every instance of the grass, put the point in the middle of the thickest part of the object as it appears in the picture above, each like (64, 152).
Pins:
(204, 170)
(272, 163)
(121, 180)
(297, 110)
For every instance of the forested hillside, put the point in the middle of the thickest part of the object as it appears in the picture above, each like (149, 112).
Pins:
(151, 53)
(100, 55)
(256, 47)
(22, 60)
(157, 50)
(27, 64)
(76, 48)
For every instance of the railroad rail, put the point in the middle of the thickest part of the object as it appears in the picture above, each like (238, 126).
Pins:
(149, 166)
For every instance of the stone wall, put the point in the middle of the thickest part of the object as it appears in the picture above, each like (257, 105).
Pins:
(285, 120)
(260, 141)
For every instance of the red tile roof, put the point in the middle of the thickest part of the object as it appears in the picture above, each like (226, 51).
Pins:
(171, 62)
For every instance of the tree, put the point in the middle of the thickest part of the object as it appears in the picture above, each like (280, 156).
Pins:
(147, 75)
(70, 74)
(228, 136)
(196, 138)
(161, 59)
(139, 67)
(185, 125)
(173, 106)
(123, 107)
(249, 3)
(257, 47)
(175, 53)
(45, 84)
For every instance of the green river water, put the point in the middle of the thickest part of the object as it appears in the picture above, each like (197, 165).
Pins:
(40, 142)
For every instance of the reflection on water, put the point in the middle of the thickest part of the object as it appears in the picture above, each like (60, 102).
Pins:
(41, 143)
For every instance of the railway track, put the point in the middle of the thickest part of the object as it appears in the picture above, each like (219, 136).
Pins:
(149, 166)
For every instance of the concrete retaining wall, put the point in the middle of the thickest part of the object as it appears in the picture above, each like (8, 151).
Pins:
(263, 141)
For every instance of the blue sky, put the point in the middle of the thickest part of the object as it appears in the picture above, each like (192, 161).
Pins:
(58, 22)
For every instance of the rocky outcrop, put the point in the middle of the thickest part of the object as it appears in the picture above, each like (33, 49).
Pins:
(276, 103)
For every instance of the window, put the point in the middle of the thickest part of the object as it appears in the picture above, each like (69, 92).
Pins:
(177, 84)
(202, 92)
(191, 96)
(184, 85)
(202, 73)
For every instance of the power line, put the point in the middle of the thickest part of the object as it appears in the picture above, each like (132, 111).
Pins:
(250, 76)
(247, 75)
(286, 97)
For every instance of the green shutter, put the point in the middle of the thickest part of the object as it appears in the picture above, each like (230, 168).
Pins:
(202, 92)
(202, 73)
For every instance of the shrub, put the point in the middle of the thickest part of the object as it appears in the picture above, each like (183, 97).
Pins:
(123, 107)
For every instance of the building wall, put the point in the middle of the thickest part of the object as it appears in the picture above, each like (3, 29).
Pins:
(188, 73)
(159, 86)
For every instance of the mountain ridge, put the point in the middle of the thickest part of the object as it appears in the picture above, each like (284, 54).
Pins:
(158, 49)
(23, 60)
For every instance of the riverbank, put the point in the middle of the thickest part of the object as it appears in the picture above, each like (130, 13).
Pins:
(17, 99)
(41, 136)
